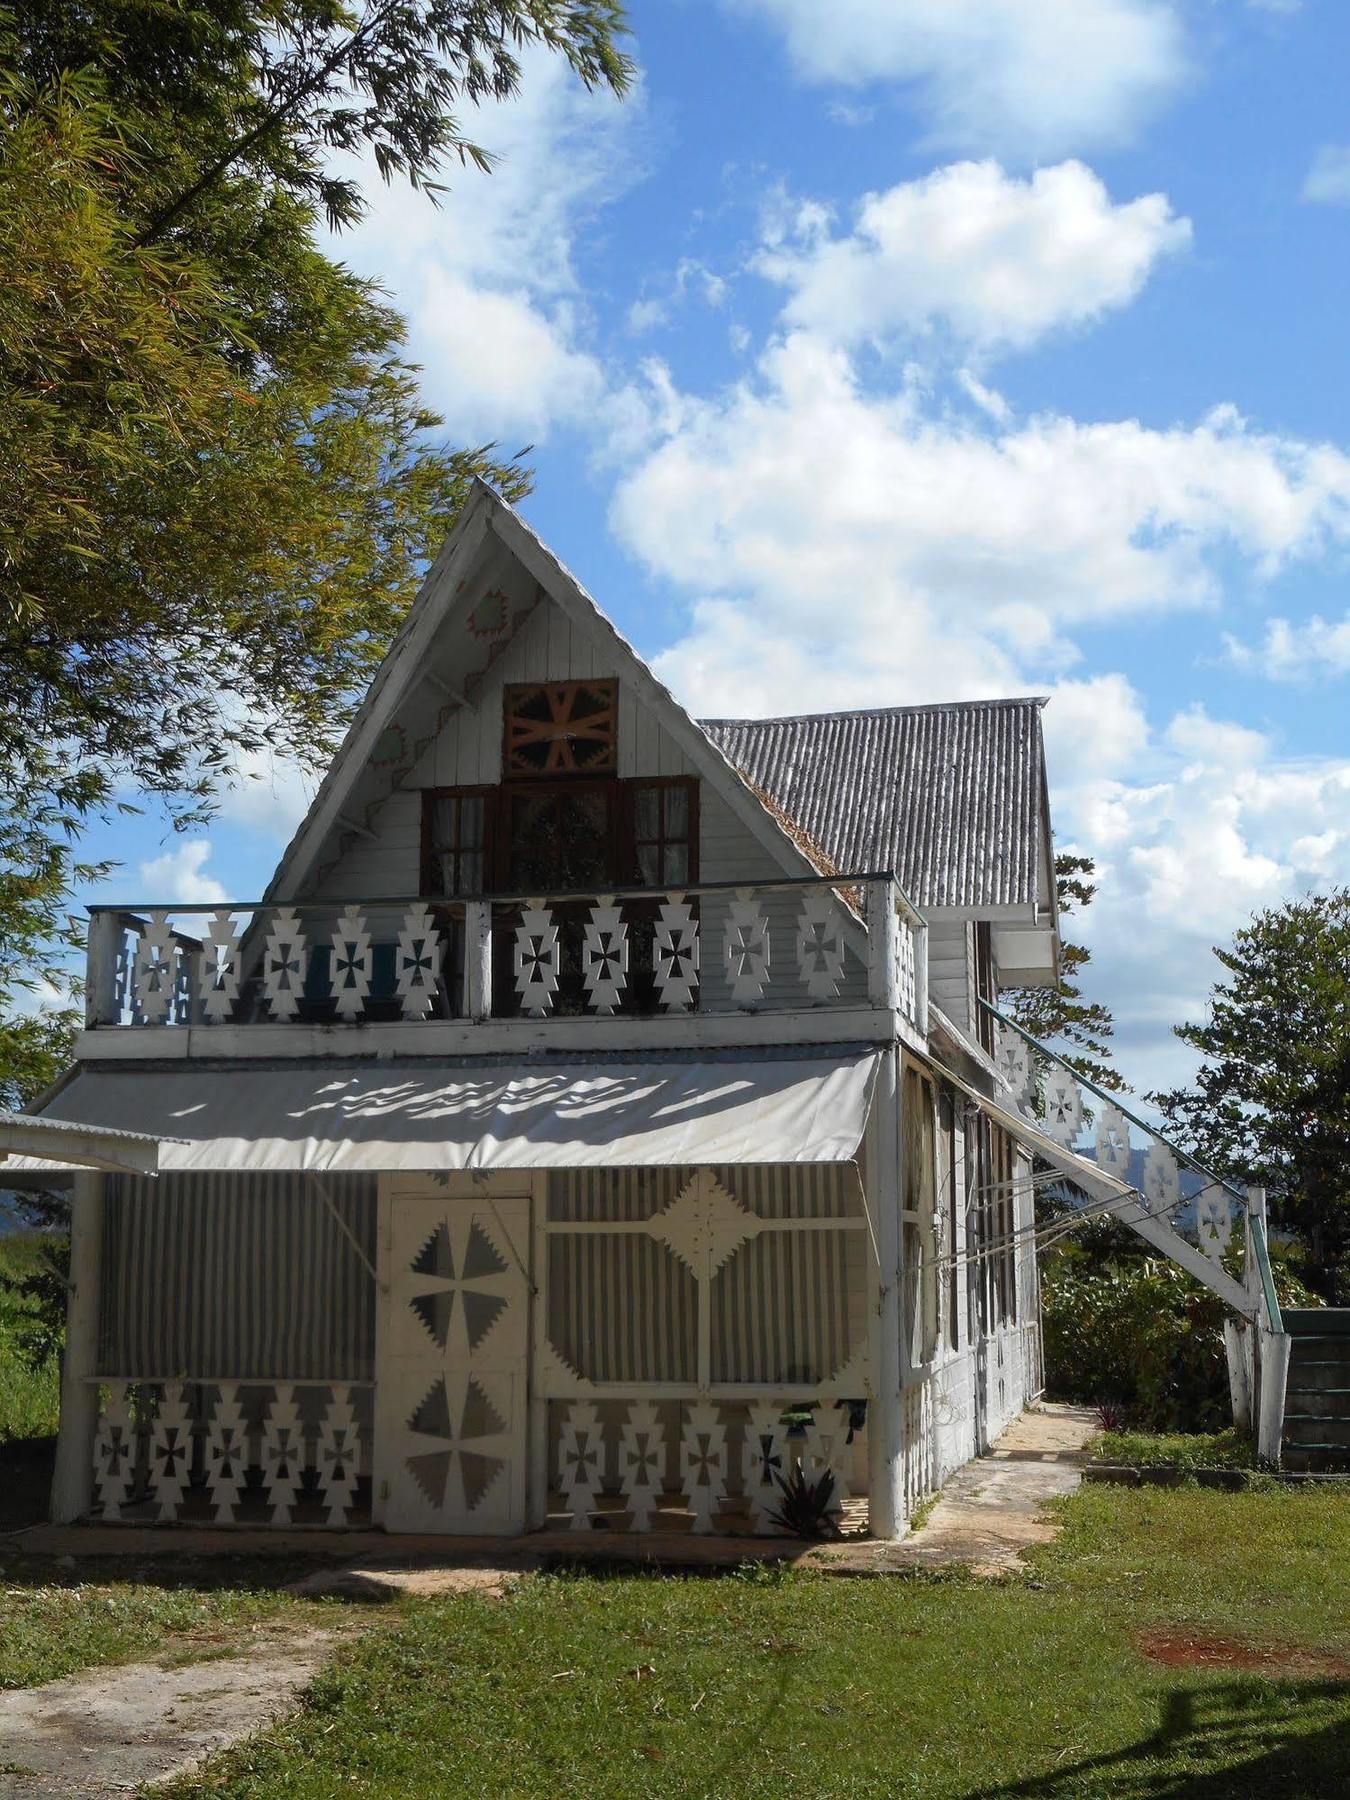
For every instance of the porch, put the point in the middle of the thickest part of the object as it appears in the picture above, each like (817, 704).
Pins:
(818, 959)
(637, 1350)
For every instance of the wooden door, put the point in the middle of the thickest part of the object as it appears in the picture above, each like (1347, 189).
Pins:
(453, 1364)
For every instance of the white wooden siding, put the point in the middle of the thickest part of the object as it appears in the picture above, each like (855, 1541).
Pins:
(951, 969)
(467, 752)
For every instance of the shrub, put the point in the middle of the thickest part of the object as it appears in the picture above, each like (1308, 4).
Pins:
(1140, 1336)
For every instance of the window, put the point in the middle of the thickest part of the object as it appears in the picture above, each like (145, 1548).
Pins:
(993, 1214)
(984, 985)
(561, 728)
(558, 838)
(919, 1202)
(456, 833)
(949, 1177)
(664, 823)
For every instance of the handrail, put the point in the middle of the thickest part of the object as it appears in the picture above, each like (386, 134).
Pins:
(1101, 1094)
(1262, 1249)
(507, 897)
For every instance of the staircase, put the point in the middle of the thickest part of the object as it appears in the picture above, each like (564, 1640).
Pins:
(1317, 1395)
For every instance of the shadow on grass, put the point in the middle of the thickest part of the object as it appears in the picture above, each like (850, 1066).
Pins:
(25, 1481)
(1282, 1740)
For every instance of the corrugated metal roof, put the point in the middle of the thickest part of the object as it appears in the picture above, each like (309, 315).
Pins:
(949, 797)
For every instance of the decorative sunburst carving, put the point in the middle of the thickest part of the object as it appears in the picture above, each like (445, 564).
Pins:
(704, 1225)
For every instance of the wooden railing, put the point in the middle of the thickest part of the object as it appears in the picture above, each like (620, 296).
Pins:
(717, 947)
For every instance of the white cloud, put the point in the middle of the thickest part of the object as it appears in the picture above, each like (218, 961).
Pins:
(907, 556)
(1207, 824)
(486, 278)
(1214, 741)
(178, 875)
(1315, 648)
(1027, 78)
(1328, 180)
(840, 547)
(496, 364)
(996, 261)
(270, 795)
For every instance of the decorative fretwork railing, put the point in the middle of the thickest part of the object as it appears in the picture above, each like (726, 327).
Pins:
(1081, 1116)
(648, 1466)
(767, 946)
(232, 1452)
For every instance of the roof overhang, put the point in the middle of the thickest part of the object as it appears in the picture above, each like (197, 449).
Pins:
(1026, 958)
(492, 1115)
(34, 1149)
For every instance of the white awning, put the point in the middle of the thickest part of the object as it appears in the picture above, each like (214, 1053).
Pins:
(438, 1116)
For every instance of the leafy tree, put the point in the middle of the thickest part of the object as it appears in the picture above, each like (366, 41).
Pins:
(221, 486)
(1270, 1103)
(1083, 1027)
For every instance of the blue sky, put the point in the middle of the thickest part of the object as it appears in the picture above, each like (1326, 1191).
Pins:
(967, 347)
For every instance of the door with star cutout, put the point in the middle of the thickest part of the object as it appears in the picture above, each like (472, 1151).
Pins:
(451, 1444)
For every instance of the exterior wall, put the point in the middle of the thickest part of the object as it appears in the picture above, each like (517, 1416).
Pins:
(467, 752)
(951, 969)
(981, 1382)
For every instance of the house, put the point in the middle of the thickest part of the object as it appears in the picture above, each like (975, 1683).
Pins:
(599, 1113)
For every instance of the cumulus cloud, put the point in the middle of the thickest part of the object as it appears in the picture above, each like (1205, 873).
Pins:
(1194, 826)
(1315, 648)
(1328, 180)
(269, 797)
(178, 875)
(915, 556)
(486, 278)
(1026, 78)
(993, 260)
(837, 546)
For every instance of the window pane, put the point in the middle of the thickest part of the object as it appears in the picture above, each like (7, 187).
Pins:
(649, 872)
(677, 811)
(470, 873)
(471, 822)
(646, 823)
(443, 823)
(677, 862)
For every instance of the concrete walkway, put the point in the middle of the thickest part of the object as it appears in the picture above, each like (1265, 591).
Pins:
(991, 1510)
(107, 1731)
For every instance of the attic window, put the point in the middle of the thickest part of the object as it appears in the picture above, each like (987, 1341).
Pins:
(562, 728)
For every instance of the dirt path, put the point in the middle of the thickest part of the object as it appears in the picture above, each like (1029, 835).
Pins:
(105, 1731)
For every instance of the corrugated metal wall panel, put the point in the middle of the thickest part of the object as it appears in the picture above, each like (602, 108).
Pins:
(237, 1276)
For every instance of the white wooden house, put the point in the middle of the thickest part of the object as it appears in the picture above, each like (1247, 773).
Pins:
(598, 1113)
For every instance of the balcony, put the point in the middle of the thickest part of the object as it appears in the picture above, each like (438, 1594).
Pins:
(795, 960)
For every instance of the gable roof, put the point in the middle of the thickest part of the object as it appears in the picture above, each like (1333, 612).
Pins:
(951, 798)
(429, 670)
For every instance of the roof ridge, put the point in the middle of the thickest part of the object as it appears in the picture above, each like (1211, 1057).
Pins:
(879, 712)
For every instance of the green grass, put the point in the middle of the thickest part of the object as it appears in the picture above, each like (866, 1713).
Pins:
(1229, 1449)
(29, 1399)
(54, 1620)
(778, 1684)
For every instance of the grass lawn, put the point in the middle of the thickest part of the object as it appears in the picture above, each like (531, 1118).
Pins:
(1231, 1449)
(28, 1400)
(54, 1620)
(1172, 1642)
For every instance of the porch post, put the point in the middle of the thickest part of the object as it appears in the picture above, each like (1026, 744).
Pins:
(73, 1479)
(1235, 1344)
(884, 1434)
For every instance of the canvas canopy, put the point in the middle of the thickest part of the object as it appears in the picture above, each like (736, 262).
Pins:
(437, 1116)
